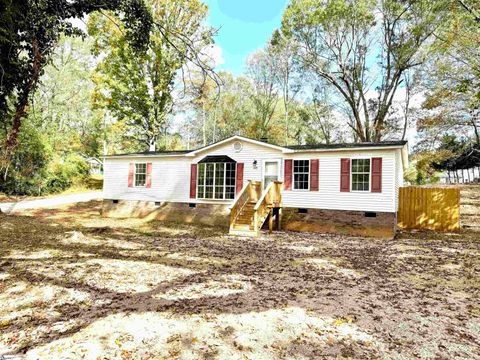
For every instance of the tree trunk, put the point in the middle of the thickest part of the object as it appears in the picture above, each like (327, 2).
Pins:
(475, 129)
(21, 108)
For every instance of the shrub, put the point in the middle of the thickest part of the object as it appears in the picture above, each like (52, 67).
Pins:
(35, 171)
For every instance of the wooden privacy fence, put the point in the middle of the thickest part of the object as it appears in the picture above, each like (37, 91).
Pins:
(429, 208)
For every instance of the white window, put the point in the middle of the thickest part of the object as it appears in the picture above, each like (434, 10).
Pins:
(301, 174)
(360, 174)
(140, 174)
(216, 181)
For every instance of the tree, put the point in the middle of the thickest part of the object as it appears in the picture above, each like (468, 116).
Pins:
(138, 89)
(30, 30)
(282, 50)
(215, 114)
(452, 80)
(341, 40)
(261, 71)
(60, 107)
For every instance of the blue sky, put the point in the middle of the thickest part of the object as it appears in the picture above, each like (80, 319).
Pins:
(244, 26)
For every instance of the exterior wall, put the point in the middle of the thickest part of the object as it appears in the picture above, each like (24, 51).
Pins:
(171, 178)
(208, 214)
(247, 155)
(340, 222)
(329, 196)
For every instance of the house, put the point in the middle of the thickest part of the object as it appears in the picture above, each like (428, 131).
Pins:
(95, 165)
(244, 183)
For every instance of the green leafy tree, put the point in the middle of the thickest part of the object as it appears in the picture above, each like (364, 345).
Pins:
(452, 79)
(60, 107)
(261, 71)
(137, 90)
(29, 31)
(364, 46)
(283, 52)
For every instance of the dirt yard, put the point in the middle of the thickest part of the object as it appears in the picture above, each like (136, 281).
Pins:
(74, 285)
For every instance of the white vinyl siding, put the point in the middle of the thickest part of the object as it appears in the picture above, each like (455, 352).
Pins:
(171, 178)
(329, 196)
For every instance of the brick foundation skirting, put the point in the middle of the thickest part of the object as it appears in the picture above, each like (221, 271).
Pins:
(315, 220)
(383, 225)
(208, 214)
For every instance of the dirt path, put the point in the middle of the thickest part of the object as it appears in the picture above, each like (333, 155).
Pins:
(74, 285)
(11, 207)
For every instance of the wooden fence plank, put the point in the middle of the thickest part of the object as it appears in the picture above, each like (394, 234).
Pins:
(429, 208)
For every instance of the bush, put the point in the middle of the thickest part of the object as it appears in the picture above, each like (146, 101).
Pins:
(35, 171)
(62, 173)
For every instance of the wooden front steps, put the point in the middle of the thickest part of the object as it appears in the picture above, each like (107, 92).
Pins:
(252, 207)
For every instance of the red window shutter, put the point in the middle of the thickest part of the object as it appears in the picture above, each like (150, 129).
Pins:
(314, 175)
(376, 174)
(193, 181)
(287, 176)
(239, 179)
(148, 180)
(345, 175)
(131, 174)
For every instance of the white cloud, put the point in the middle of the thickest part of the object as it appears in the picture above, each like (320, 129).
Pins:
(215, 54)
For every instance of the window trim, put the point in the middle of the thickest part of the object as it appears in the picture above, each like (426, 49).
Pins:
(293, 174)
(135, 174)
(214, 174)
(369, 174)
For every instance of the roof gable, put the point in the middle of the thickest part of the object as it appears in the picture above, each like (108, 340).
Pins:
(235, 138)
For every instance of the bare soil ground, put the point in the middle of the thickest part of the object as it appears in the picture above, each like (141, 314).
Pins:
(75, 285)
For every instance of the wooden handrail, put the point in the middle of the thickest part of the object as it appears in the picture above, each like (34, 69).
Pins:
(271, 197)
(245, 187)
(264, 201)
(277, 194)
(262, 198)
(249, 192)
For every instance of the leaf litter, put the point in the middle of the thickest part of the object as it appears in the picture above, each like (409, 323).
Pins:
(76, 285)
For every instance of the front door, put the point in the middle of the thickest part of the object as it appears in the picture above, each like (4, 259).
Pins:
(271, 171)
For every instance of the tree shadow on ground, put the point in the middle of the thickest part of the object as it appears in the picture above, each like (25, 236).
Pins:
(375, 285)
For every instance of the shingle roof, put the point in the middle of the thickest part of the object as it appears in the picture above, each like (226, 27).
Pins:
(217, 158)
(346, 145)
(164, 152)
(291, 147)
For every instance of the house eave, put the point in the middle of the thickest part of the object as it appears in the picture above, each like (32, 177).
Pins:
(360, 148)
(129, 156)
